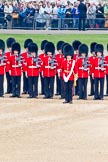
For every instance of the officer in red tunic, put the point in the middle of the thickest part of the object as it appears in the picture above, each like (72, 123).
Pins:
(24, 65)
(99, 72)
(8, 54)
(59, 55)
(49, 70)
(69, 71)
(83, 71)
(41, 56)
(106, 58)
(60, 73)
(2, 67)
(76, 45)
(91, 59)
(33, 70)
(16, 69)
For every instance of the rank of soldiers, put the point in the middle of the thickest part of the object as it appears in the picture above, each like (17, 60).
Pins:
(71, 66)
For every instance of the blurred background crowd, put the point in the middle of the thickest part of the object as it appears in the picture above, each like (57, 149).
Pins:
(51, 15)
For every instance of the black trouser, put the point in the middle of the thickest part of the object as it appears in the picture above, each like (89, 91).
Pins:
(62, 88)
(68, 90)
(1, 85)
(82, 82)
(25, 83)
(82, 23)
(49, 86)
(106, 84)
(92, 85)
(42, 84)
(33, 86)
(99, 88)
(16, 85)
(9, 82)
(58, 85)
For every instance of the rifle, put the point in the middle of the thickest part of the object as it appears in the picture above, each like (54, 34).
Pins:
(37, 60)
(3, 58)
(20, 59)
(53, 62)
(86, 63)
(102, 63)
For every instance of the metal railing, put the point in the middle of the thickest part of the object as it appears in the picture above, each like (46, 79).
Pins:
(51, 23)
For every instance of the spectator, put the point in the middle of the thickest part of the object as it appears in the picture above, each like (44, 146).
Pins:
(82, 15)
(8, 10)
(48, 12)
(91, 14)
(1, 13)
(68, 16)
(100, 16)
(61, 15)
(75, 15)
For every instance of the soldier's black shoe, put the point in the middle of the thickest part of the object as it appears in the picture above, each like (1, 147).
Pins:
(65, 102)
(70, 102)
(91, 95)
(13, 96)
(18, 96)
(24, 92)
(45, 97)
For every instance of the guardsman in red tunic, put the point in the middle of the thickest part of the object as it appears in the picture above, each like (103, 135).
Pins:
(16, 69)
(75, 45)
(49, 70)
(106, 58)
(83, 71)
(41, 56)
(24, 65)
(8, 54)
(60, 73)
(59, 55)
(69, 71)
(91, 59)
(99, 72)
(33, 70)
(2, 67)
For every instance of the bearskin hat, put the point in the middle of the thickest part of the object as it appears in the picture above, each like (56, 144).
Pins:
(16, 47)
(26, 42)
(99, 48)
(83, 48)
(43, 44)
(59, 45)
(68, 50)
(92, 46)
(9, 42)
(2, 45)
(49, 47)
(63, 46)
(32, 47)
(76, 44)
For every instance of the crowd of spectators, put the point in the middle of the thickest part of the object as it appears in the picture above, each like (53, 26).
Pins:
(47, 15)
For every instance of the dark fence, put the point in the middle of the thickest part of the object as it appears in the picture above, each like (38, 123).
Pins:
(42, 22)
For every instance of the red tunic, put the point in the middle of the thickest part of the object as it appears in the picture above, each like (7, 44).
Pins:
(82, 72)
(48, 70)
(2, 67)
(32, 70)
(66, 68)
(98, 71)
(14, 66)
(8, 55)
(24, 64)
(91, 59)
